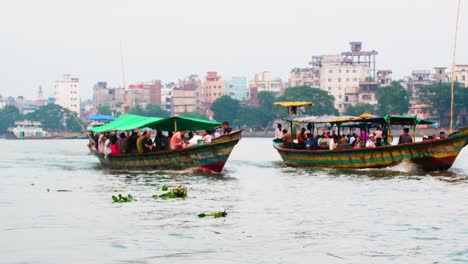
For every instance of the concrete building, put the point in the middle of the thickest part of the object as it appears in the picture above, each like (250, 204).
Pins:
(384, 77)
(144, 93)
(236, 88)
(114, 98)
(67, 93)
(461, 74)
(415, 82)
(184, 99)
(304, 77)
(166, 95)
(267, 83)
(212, 88)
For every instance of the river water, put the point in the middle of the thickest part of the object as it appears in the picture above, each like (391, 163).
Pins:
(56, 207)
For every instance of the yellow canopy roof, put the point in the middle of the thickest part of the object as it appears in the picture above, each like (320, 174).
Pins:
(342, 119)
(366, 115)
(298, 104)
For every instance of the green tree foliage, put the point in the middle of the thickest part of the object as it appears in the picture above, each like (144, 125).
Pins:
(104, 110)
(439, 96)
(8, 115)
(360, 109)
(152, 110)
(323, 102)
(194, 114)
(55, 117)
(155, 110)
(225, 108)
(251, 116)
(393, 99)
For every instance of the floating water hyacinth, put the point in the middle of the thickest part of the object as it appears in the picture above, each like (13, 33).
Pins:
(178, 192)
(123, 199)
(214, 214)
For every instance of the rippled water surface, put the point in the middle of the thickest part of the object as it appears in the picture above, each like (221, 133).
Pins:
(56, 207)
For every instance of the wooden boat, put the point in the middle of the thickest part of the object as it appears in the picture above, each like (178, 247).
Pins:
(207, 157)
(429, 155)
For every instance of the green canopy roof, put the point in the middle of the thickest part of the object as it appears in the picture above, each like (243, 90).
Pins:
(126, 122)
(129, 122)
(176, 123)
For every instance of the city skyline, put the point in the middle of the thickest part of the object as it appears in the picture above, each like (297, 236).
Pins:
(170, 41)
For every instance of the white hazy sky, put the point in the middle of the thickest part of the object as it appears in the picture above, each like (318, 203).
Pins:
(168, 40)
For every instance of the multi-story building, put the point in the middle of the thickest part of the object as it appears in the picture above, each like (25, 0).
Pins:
(114, 98)
(236, 88)
(304, 77)
(146, 92)
(166, 95)
(384, 77)
(212, 88)
(461, 74)
(67, 93)
(267, 83)
(184, 99)
(417, 80)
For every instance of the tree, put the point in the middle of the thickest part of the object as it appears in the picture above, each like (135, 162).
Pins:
(104, 110)
(194, 114)
(55, 117)
(266, 107)
(137, 110)
(360, 109)
(439, 96)
(393, 99)
(8, 115)
(225, 108)
(155, 110)
(323, 102)
(251, 117)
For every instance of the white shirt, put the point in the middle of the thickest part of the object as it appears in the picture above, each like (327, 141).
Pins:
(370, 144)
(278, 134)
(206, 138)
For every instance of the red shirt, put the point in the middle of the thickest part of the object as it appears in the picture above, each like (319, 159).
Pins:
(114, 149)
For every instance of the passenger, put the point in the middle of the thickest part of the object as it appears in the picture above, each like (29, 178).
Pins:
(113, 145)
(442, 135)
(370, 142)
(378, 142)
(301, 137)
(177, 140)
(357, 143)
(160, 141)
(226, 128)
(107, 146)
(206, 136)
(425, 138)
(139, 145)
(405, 137)
(147, 143)
(378, 133)
(287, 139)
(309, 141)
(278, 133)
(332, 143)
(102, 142)
(131, 143)
(119, 143)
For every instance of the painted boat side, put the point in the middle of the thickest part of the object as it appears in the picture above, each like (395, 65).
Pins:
(430, 155)
(210, 157)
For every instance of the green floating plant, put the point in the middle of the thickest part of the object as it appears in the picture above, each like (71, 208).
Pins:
(214, 214)
(123, 199)
(178, 192)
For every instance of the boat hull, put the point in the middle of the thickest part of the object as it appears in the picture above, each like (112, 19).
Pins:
(11, 135)
(428, 155)
(208, 157)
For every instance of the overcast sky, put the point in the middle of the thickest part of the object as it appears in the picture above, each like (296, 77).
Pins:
(168, 40)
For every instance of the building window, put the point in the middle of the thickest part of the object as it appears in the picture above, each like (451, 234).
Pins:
(339, 79)
(354, 71)
(329, 80)
(330, 71)
(329, 88)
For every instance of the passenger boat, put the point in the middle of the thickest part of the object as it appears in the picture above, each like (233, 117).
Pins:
(428, 155)
(27, 129)
(206, 157)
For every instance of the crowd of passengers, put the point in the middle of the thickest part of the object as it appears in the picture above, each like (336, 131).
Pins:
(330, 140)
(134, 142)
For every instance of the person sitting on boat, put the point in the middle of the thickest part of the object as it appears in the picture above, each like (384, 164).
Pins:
(131, 143)
(278, 133)
(309, 142)
(357, 143)
(287, 139)
(370, 142)
(301, 137)
(378, 133)
(177, 140)
(378, 142)
(333, 143)
(113, 145)
(119, 143)
(442, 135)
(206, 136)
(405, 138)
(102, 142)
(160, 141)
(226, 128)
(147, 143)
(139, 145)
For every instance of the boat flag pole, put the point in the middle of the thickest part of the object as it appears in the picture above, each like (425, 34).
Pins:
(453, 67)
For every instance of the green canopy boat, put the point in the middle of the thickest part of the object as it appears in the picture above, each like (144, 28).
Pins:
(208, 157)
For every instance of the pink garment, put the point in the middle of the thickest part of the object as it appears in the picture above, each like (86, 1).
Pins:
(114, 149)
(176, 141)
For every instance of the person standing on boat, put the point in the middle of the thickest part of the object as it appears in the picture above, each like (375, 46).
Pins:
(405, 138)
(287, 139)
(278, 133)
(226, 128)
(301, 137)
(139, 145)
